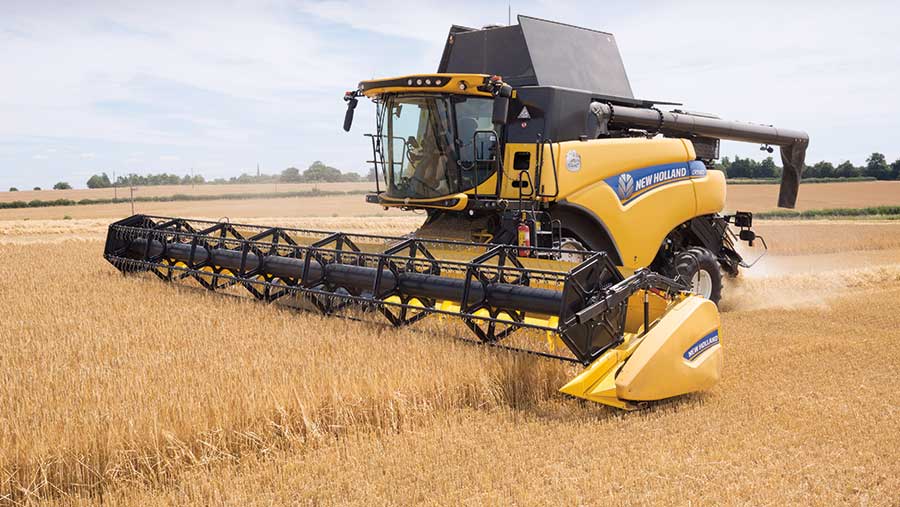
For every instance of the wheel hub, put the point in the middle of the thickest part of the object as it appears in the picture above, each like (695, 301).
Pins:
(701, 283)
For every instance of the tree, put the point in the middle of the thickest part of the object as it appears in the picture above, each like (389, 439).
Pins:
(895, 170)
(821, 170)
(847, 170)
(766, 169)
(319, 172)
(290, 175)
(36, 188)
(741, 168)
(351, 176)
(99, 181)
(877, 167)
(722, 165)
(62, 185)
(372, 176)
(13, 189)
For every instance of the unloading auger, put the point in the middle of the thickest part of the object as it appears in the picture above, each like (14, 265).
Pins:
(642, 337)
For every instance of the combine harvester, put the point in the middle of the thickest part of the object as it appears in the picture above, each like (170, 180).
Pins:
(558, 206)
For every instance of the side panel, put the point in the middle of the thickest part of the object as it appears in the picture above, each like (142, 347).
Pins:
(641, 189)
(710, 191)
(583, 163)
(680, 354)
(511, 174)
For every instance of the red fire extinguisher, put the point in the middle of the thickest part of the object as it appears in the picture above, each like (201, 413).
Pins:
(524, 239)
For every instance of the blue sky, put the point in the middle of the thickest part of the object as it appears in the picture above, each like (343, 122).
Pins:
(219, 87)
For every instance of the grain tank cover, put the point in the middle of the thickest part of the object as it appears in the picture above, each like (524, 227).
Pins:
(537, 52)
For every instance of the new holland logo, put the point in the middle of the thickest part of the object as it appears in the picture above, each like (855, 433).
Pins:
(625, 186)
(702, 345)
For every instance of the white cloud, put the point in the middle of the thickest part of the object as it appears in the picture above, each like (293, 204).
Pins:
(261, 82)
(39, 157)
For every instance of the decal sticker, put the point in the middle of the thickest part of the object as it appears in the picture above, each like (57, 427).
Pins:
(626, 186)
(524, 114)
(698, 169)
(703, 344)
(632, 184)
(573, 161)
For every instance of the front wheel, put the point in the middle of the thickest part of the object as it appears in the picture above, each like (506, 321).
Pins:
(699, 267)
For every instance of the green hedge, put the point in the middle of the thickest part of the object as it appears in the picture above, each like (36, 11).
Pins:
(804, 181)
(832, 212)
(37, 203)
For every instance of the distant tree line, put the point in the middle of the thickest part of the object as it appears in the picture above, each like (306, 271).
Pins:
(317, 172)
(876, 167)
(102, 180)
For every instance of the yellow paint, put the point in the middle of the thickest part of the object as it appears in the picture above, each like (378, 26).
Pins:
(597, 382)
(658, 370)
(451, 85)
(648, 367)
(710, 192)
(461, 200)
(658, 211)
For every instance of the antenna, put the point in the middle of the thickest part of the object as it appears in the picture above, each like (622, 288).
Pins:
(508, 13)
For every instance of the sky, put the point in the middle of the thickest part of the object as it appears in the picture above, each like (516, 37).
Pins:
(220, 87)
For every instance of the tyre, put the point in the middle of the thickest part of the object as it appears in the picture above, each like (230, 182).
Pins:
(700, 268)
(572, 245)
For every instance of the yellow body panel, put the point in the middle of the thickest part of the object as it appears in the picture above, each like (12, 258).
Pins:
(660, 368)
(658, 211)
(450, 83)
(507, 190)
(603, 158)
(680, 354)
(710, 192)
(452, 202)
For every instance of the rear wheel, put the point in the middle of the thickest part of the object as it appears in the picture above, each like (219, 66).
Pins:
(572, 245)
(700, 269)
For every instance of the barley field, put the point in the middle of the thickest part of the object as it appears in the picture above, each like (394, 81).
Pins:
(168, 190)
(740, 197)
(128, 391)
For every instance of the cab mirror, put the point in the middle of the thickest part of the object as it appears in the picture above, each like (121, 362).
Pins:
(501, 110)
(348, 116)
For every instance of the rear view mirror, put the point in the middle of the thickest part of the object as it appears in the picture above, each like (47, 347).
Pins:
(348, 116)
(501, 110)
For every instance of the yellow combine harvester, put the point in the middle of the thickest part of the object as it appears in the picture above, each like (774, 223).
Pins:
(559, 207)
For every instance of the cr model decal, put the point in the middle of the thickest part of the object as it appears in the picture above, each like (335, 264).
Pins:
(632, 184)
(573, 161)
(702, 345)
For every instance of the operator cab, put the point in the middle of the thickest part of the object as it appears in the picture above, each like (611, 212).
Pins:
(436, 138)
(435, 145)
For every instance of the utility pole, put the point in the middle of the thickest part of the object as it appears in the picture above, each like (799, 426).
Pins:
(192, 178)
(131, 187)
(115, 188)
